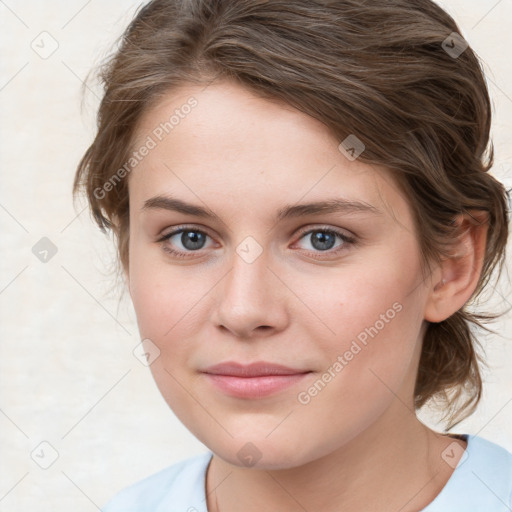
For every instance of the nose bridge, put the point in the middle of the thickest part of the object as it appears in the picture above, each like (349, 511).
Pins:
(249, 275)
(248, 299)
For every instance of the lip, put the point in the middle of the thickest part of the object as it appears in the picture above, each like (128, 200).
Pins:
(255, 380)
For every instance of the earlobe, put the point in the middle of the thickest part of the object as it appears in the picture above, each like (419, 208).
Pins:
(458, 274)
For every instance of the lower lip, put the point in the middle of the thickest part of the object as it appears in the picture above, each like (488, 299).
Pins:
(254, 387)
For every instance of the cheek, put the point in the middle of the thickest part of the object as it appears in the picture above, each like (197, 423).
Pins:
(375, 317)
(372, 300)
(165, 305)
(370, 358)
(164, 296)
(168, 310)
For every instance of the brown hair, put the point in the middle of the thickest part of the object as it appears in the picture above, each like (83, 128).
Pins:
(390, 72)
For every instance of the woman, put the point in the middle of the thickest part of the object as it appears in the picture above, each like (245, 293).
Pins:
(303, 210)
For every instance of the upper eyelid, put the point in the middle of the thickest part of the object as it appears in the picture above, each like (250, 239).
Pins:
(185, 227)
(321, 227)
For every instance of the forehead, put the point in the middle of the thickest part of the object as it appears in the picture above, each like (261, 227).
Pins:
(225, 117)
(224, 143)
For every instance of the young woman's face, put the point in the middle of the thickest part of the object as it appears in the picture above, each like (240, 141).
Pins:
(248, 274)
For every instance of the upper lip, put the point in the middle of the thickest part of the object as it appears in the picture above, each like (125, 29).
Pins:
(257, 369)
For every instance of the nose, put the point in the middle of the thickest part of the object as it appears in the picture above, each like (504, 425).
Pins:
(252, 299)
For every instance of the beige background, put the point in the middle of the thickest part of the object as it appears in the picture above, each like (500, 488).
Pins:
(68, 377)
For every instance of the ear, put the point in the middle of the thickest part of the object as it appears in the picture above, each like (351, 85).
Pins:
(456, 277)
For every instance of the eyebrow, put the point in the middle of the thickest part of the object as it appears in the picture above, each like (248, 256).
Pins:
(337, 205)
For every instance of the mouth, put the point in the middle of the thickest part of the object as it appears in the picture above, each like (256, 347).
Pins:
(256, 380)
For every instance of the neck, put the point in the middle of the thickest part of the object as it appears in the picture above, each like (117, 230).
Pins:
(395, 464)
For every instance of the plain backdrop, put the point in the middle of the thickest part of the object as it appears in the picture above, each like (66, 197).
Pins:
(80, 416)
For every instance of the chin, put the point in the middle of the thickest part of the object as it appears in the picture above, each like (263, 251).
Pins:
(255, 456)
(259, 451)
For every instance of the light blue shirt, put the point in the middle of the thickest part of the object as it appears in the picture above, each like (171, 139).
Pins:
(481, 482)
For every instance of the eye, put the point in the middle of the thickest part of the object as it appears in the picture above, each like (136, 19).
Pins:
(190, 239)
(183, 241)
(324, 239)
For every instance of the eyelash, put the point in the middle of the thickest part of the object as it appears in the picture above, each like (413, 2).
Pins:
(346, 239)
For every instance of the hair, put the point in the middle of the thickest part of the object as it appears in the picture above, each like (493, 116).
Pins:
(377, 69)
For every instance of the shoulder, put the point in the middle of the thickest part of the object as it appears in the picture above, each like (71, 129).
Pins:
(491, 465)
(481, 482)
(179, 487)
(490, 456)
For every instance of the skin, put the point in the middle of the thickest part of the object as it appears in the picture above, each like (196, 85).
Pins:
(357, 444)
